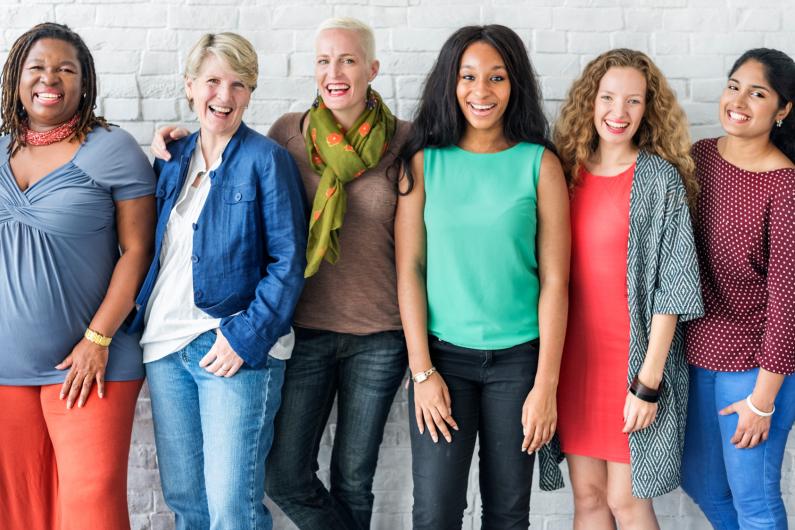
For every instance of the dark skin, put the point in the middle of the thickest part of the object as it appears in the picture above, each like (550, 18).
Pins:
(53, 68)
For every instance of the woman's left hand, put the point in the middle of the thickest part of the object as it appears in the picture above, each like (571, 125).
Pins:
(638, 414)
(221, 360)
(87, 362)
(539, 418)
(752, 429)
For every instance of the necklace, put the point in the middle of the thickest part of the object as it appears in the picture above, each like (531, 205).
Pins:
(56, 134)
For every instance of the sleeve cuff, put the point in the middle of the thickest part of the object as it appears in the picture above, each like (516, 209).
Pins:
(688, 307)
(249, 345)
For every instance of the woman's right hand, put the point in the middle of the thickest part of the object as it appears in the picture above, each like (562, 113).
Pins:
(432, 407)
(163, 136)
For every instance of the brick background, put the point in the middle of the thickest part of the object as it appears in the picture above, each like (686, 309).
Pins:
(139, 47)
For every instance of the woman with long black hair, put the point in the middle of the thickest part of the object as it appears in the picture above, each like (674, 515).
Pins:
(742, 353)
(482, 248)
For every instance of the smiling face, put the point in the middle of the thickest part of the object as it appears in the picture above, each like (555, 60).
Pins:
(749, 107)
(219, 97)
(483, 88)
(50, 84)
(342, 72)
(620, 104)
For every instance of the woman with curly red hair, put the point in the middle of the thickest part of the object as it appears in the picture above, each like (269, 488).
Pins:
(624, 145)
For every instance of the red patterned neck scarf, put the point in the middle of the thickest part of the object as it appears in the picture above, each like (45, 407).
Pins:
(56, 134)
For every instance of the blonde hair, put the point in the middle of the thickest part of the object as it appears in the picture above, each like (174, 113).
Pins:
(663, 130)
(235, 50)
(364, 32)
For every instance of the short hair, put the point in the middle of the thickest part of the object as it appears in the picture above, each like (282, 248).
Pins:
(235, 50)
(365, 33)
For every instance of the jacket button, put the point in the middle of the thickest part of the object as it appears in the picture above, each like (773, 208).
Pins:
(195, 226)
(194, 258)
(238, 196)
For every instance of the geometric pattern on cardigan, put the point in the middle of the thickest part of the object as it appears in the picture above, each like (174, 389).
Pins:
(662, 277)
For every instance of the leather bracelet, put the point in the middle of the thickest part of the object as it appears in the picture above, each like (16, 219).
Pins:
(643, 392)
(97, 338)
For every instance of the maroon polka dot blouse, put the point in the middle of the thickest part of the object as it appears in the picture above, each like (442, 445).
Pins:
(745, 238)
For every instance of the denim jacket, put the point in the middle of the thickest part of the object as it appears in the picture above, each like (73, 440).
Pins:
(249, 244)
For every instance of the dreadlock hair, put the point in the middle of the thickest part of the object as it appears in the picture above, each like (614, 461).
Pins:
(13, 114)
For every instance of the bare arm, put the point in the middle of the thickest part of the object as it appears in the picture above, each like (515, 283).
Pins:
(135, 221)
(431, 399)
(753, 429)
(539, 414)
(639, 414)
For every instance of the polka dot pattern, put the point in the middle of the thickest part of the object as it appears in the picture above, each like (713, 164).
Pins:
(745, 237)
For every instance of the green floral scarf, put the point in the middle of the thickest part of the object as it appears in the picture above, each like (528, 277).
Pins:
(340, 156)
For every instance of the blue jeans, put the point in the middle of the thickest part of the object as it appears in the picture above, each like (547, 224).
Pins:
(212, 436)
(487, 389)
(735, 488)
(364, 372)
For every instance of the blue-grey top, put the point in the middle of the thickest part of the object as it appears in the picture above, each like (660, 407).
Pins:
(58, 249)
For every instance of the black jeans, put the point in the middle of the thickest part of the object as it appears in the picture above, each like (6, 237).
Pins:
(487, 389)
(364, 373)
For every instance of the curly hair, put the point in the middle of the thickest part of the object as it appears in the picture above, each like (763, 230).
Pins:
(663, 130)
(12, 112)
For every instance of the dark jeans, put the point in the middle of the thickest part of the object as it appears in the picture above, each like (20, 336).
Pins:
(364, 372)
(487, 389)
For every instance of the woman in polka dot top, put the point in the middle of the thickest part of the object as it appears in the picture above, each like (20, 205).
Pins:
(742, 396)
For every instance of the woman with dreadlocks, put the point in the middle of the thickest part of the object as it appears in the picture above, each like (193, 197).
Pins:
(76, 227)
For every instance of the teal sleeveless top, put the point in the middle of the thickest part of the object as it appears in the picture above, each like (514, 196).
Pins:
(480, 221)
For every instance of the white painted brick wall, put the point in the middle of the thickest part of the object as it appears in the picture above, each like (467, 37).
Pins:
(139, 47)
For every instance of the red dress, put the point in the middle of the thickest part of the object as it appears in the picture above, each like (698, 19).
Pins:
(593, 374)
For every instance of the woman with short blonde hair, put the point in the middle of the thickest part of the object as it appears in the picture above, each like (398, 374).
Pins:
(349, 344)
(219, 296)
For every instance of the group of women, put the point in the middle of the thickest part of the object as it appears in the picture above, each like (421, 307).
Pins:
(535, 283)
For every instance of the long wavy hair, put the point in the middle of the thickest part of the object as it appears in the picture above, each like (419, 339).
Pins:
(663, 130)
(11, 110)
(439, 121)
(780, 73)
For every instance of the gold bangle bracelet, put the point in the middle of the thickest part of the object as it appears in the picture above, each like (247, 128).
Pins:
(97, 338)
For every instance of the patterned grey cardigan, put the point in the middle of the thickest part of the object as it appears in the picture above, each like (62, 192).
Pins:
(662, 277)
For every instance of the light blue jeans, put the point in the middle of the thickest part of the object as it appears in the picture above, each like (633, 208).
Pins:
(735, 488)
(213, 435)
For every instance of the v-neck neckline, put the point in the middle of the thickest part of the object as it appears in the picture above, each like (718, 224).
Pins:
(46, 176)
